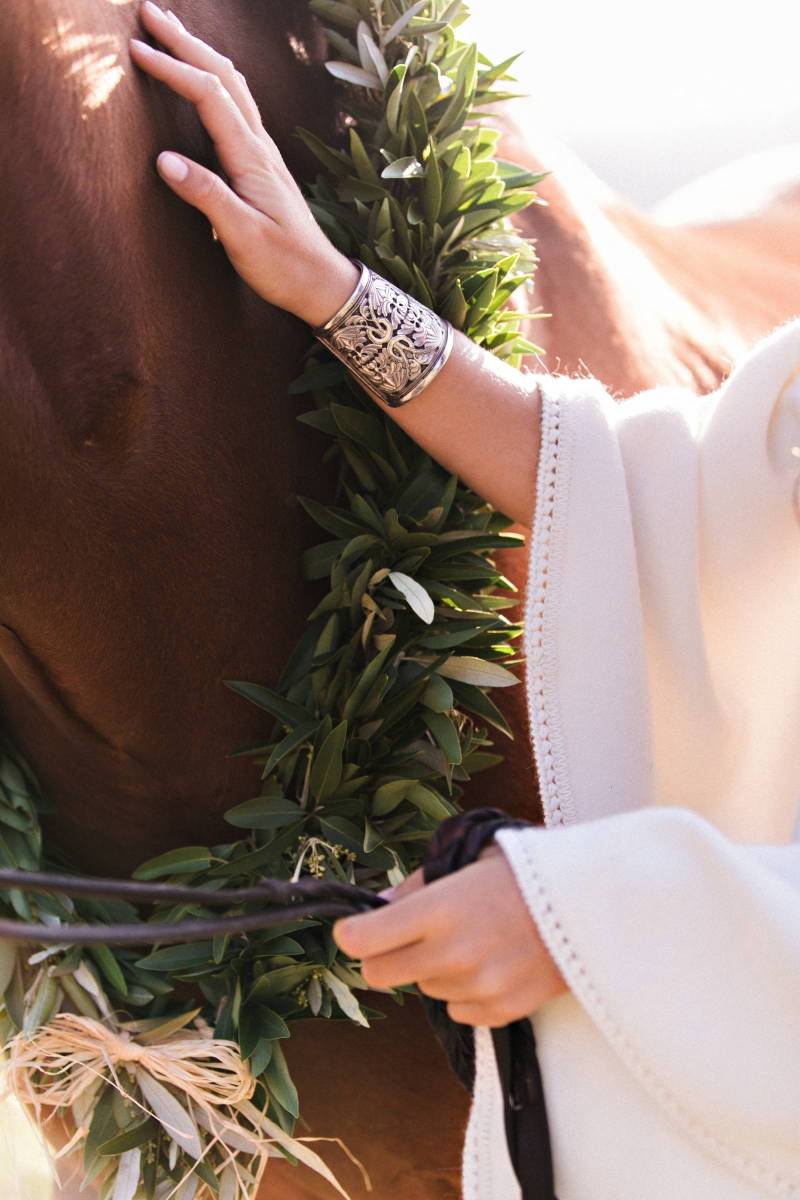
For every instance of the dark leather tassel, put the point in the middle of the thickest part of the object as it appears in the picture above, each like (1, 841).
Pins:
(457, 842)
(524, 1111)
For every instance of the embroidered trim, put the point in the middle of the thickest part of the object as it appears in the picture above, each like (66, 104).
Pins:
(517, 846)
(478, 1147)
(485, 1175)
(547, 533)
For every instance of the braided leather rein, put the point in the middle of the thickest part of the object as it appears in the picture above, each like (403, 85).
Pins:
(281, 900)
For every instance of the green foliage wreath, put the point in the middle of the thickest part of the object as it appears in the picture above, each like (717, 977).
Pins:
(382, 714)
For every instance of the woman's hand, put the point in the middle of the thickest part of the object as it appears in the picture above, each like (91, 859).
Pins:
(480, 417)
(467, 939)
(261, 217)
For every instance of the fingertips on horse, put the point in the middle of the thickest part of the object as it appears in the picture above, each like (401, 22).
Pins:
(172, 167)
(150, 11)
(140, 47)
(164, 24)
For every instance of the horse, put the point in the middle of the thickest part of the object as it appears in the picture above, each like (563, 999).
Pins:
(151, 462)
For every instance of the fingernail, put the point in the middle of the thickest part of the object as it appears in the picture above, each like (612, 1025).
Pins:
(142, 47)
(174, 19)
(387, 893)
(172, 167)
(153, 8)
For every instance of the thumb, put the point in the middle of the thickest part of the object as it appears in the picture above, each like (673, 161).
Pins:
(227, 212)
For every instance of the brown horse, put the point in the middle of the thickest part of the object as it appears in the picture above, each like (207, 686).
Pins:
(150, 456)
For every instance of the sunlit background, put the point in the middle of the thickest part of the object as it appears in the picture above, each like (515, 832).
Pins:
(652, 94)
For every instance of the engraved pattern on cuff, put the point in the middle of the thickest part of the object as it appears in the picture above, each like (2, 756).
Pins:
(393, 344)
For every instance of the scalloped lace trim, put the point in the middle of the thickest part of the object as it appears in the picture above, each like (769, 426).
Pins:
(543, 587)
(521, 855)
(477, 1145)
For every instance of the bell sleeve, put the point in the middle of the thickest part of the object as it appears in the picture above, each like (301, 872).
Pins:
(663, 649)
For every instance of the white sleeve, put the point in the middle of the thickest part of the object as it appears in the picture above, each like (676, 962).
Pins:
(683, 948)
(662, 631)
(663, 647)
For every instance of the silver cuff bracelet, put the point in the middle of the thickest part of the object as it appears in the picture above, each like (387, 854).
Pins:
(393, 344)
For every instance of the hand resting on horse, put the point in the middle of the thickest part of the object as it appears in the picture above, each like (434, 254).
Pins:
(479, 417)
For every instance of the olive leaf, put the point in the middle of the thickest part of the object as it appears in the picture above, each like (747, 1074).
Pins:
(351, 74)
(8, 962)
(126, 1183)
(418, 599)
(136, 1134)
(407, 167)
(345, 998)
(326, 769)
(170, 1113)
(264, 812)
(402, 21)
(372, 59)
(477, 671)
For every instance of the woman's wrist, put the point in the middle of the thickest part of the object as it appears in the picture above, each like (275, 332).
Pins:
(478, 416)
(391, 342)
(330, 283)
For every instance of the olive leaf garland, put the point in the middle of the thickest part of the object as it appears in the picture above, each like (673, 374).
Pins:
(382, 714)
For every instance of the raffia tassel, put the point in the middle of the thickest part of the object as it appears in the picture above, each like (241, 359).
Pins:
(65, 1058)
(70, 1051)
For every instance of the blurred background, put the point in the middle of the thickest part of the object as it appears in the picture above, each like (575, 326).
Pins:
(650, 96)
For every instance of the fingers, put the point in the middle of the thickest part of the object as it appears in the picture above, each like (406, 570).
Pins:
(422, 960)
(232, 219)
(190, 49)
(238, 148)
(389, 928)
(477, 1014)
(463, 987)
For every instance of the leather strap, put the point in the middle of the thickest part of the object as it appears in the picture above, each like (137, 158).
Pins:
(277, 900)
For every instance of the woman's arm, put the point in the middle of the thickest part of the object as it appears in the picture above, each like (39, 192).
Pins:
(479, 417)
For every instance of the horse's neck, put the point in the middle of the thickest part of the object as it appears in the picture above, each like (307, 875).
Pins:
(634, 302)
(147, 437)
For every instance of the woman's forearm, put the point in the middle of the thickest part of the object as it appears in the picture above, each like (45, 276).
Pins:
(478, 417)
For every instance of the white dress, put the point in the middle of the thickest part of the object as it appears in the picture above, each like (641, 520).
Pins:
(663, 646)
